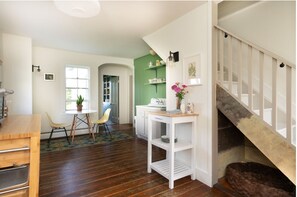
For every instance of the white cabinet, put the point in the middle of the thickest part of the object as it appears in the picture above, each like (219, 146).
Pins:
(142, 112)
(172, 168)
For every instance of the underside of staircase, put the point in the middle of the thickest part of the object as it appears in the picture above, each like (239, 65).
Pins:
(281, 153)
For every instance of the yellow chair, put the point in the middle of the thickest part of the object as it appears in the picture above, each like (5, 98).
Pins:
(56, 127)
(102, 122)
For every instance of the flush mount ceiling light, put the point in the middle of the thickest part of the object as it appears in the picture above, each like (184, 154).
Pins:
(79, 8)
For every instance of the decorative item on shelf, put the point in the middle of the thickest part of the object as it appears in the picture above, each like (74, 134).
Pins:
(150, 64)
(190, 108)
(157, 80)
(157, 62)
(162, 62)
(180, 92)
(166, 139)
(79, 102)
(183, 107)
(154, 80)
(152, 52)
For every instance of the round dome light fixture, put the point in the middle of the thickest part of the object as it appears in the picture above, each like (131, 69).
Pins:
(79, 8)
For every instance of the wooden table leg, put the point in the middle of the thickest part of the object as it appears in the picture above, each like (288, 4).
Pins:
(72, 125)
(73, 128)
(89, 127)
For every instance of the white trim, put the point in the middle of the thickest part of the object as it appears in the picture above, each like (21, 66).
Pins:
(203, 177)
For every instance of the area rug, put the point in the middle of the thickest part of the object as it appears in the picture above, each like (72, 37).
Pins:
(61, 144)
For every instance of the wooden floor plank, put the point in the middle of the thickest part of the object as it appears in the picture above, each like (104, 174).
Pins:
(115, 169)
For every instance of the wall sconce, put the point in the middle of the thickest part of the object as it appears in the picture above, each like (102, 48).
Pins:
(38, 68)
(173, 57)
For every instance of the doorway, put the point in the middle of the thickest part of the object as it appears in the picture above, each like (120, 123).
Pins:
(111, 96)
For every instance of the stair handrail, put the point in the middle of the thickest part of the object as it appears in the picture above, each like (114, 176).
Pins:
(283, 60)
(273, 122)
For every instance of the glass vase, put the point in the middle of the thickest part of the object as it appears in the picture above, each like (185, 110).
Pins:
(178, 102)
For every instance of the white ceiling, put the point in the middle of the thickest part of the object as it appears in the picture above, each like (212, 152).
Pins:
(116, 31)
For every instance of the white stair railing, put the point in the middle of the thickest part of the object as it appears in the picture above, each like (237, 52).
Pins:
(261, 80)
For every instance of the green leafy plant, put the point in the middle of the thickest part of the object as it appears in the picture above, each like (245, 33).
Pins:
(79, 100)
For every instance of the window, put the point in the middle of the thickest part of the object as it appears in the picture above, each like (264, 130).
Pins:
(77, 83)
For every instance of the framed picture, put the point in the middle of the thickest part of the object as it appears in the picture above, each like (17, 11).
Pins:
(192, 70)
(49, 77)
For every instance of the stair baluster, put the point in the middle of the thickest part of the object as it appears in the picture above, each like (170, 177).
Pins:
(233, 77)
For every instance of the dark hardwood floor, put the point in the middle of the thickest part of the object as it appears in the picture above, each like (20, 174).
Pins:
(116, 169)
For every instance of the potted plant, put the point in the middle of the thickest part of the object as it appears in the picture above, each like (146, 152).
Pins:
(79, 102)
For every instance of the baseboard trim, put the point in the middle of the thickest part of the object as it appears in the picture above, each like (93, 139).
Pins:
(203, 177)
(60, 134)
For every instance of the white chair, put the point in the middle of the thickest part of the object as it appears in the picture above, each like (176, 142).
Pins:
(102, 122)
(56, 127)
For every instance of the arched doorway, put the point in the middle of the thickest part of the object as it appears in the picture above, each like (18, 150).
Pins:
(111, 87)
(115, 91)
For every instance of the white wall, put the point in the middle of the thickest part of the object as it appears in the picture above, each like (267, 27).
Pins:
(17, 72)
(270, 24)
(189, 35)
(124, 74)
(50, 96)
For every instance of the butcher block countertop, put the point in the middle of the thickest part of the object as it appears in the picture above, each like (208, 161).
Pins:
(20, 145)
(20, 126)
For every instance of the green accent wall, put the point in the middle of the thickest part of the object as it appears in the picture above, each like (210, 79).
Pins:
(143, 91)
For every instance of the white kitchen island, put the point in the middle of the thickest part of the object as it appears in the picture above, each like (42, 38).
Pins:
(172, 168)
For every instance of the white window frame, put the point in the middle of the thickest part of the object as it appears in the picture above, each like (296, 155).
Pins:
(87, 100)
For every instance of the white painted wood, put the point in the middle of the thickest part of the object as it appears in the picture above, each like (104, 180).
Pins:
(149, 146)
(250, 82)
(193, 175)
(289, 103)
(221, 55)
(170, 168)
(230, 72)
(261, 84)
(274, 93)
(142, 112)
(269, 53)
(171, 156)
(269, 115)
(239, 87)
(180, 145)
(215, 53)
(266, 114)
(180, 169)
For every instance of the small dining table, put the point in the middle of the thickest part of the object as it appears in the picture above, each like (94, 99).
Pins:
(85, 118)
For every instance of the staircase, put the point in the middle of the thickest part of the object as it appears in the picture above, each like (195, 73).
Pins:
(256, 91)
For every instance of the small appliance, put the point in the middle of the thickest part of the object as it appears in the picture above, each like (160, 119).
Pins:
(3, 108)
